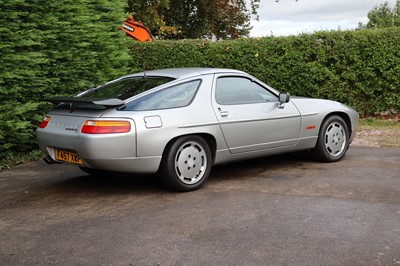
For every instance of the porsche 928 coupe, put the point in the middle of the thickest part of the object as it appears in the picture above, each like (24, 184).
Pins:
(178, 123)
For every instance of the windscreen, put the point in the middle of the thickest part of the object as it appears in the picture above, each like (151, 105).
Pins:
(125, 88)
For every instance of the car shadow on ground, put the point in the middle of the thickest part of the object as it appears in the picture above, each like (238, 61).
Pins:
(263, 164)
(77, 181)
(111, 183)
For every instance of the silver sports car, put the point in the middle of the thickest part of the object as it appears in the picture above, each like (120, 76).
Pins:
(178, 123)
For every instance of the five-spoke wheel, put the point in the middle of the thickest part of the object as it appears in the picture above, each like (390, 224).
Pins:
(333, 139)
(186, 163)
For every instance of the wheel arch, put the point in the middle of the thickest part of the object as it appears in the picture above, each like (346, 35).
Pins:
(332, 148)
(209, 138)
(172, 178)
(345, 117)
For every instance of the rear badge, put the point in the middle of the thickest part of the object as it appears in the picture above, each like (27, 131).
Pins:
(72, 129)
(68, 127)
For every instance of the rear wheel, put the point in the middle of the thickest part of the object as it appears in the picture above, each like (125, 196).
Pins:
(333, 140)
(186, 164)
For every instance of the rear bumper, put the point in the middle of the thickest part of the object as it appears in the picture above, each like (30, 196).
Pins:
(135, 165)
(111, 152)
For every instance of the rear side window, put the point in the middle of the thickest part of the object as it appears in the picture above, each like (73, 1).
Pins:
(125, 88)
(173, 97)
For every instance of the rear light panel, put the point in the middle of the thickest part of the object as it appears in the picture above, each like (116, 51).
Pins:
(45, 122)
(105, 127)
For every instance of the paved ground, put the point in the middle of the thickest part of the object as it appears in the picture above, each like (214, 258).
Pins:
(285, 210)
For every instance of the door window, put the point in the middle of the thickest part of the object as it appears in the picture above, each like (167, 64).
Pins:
(240, 90)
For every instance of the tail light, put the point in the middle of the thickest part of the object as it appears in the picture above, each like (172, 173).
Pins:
(105, 127)
(44, 123)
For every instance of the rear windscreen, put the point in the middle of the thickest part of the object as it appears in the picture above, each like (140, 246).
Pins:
(125, 88)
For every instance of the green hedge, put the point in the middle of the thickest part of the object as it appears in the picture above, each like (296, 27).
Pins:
(57, 47)
(359, 68)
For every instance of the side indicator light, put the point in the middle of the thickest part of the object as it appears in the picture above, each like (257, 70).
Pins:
(45, 121)
(310, 127)
(105, 127)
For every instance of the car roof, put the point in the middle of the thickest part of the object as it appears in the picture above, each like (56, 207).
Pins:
(181, 73)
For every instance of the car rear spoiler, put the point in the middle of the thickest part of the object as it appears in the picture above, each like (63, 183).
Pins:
(104, 102)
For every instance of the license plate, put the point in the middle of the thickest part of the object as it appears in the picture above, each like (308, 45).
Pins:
(68, 156)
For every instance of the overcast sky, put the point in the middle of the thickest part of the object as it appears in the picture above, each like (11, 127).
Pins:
(289, 17)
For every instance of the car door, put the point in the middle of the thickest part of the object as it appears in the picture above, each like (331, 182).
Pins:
(250, 117)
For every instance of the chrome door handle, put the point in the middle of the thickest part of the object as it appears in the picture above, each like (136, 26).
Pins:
(224, 113)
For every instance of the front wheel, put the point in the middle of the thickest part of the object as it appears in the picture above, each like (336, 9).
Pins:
(186, 164)
(333, 140)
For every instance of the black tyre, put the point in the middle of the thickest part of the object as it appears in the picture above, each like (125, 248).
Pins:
(186, 164)
(333, 140)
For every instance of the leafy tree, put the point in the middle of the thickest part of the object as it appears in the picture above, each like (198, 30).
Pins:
(189, 16)
(188, 19)
(383, 16)
(149, 12)
(209, 18)
(177, 19)
(229, 20)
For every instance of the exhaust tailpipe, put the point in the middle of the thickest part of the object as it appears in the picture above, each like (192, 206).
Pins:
(50, 160)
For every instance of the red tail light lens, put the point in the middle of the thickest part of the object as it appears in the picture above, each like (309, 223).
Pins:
(105, 127)
(44, 123)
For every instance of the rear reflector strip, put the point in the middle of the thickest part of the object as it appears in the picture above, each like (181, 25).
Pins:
(105, 127)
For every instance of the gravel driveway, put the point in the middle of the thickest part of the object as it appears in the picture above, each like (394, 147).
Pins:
(285, 210)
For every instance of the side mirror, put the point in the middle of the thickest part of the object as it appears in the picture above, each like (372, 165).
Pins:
(284, 97)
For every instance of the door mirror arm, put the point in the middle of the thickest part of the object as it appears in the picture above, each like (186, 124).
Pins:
(284, 97)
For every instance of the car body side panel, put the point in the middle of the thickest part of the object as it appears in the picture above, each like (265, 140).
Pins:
(314, 111)
(257, 126)
(225, 156)
(260, 126)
